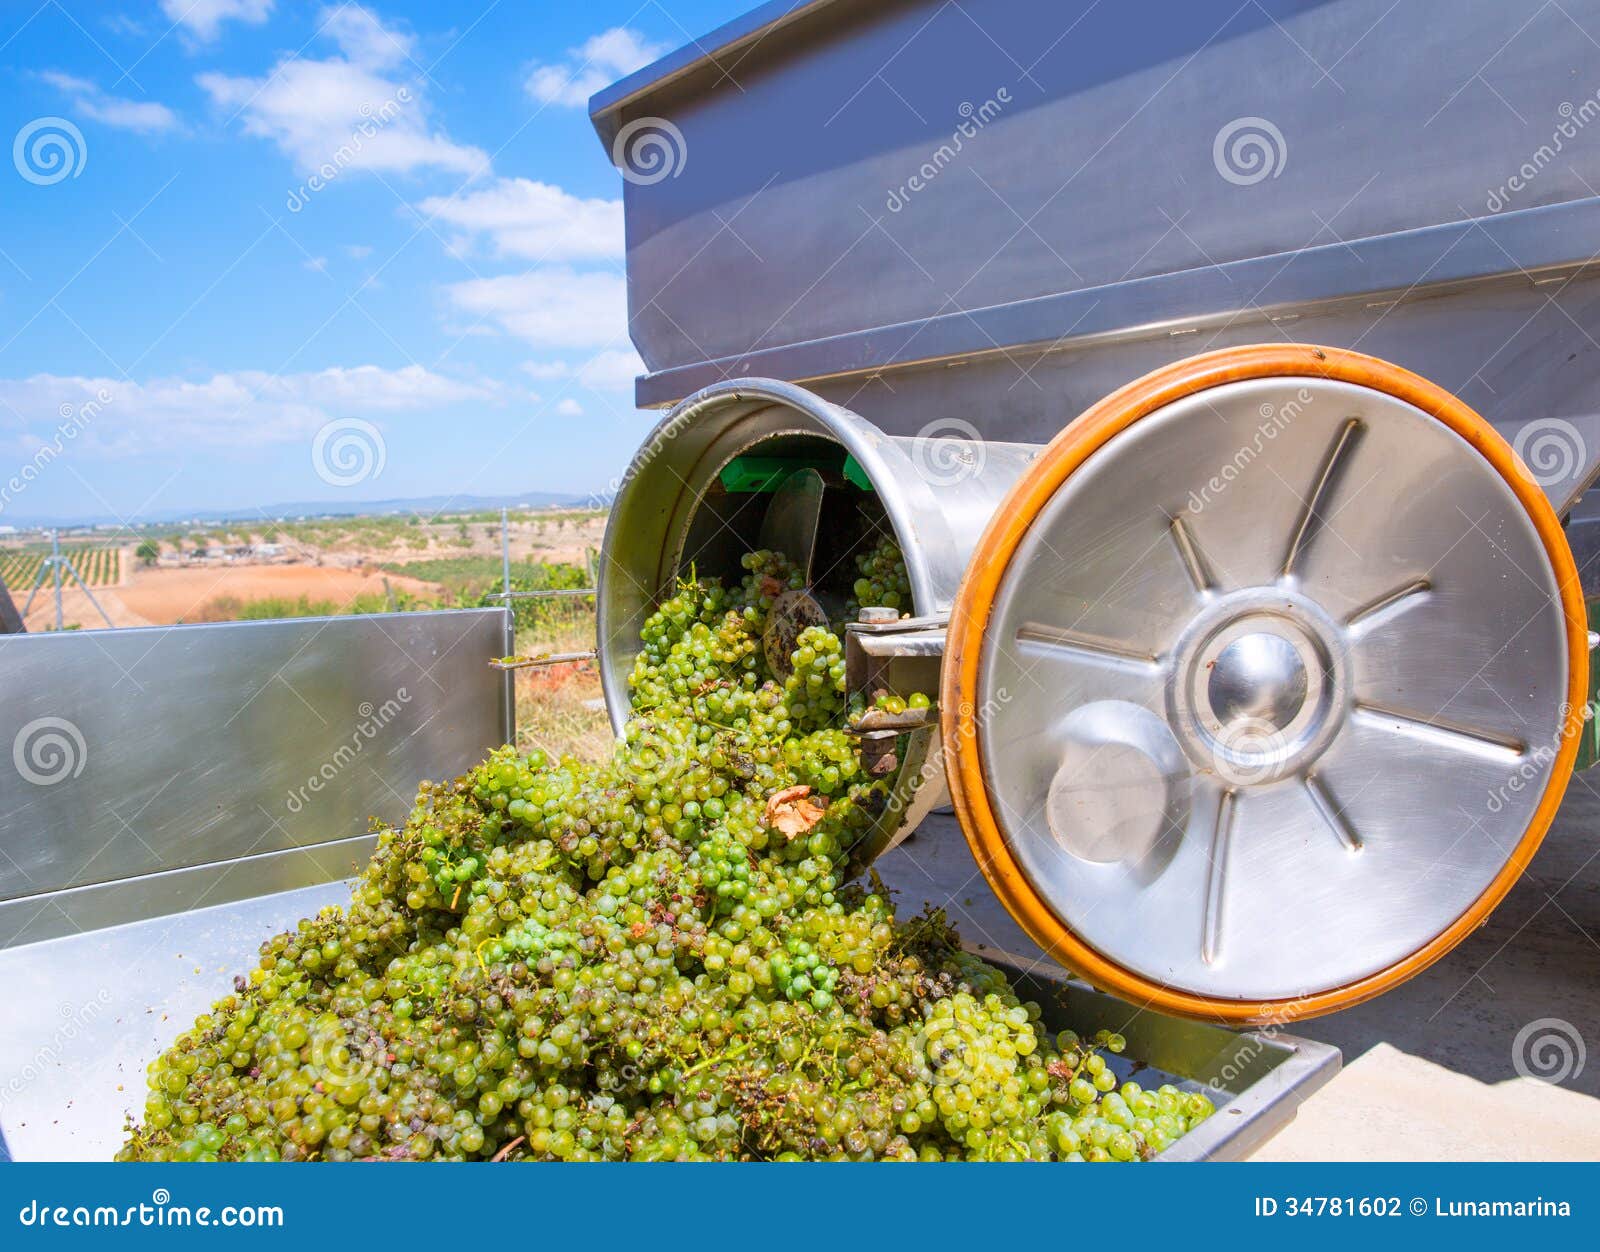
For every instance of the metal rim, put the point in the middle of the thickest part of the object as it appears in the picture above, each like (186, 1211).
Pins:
(1297, 700)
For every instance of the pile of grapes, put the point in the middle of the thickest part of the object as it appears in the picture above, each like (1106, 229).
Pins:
(661, 957)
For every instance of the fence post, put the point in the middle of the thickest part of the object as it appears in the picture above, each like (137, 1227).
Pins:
(505, 550)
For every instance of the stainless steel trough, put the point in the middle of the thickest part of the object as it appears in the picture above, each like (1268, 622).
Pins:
(88, 1012)
(174, 796)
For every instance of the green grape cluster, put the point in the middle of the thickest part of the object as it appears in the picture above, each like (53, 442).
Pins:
(881, 579)
(667, 956)
(800, 973)
(1108, 1122)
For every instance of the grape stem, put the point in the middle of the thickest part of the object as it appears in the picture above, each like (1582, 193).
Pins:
(727, 1054)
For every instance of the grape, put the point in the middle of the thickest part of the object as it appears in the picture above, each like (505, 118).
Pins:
(667, 956)
(881, 579)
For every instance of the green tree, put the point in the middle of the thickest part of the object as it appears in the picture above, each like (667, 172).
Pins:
(147, 551)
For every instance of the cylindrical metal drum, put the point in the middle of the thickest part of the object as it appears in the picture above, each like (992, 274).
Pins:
(675, 511)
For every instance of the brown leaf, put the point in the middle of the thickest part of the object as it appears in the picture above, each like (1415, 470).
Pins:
(793, 811)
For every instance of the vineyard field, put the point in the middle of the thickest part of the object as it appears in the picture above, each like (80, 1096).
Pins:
(98, 566)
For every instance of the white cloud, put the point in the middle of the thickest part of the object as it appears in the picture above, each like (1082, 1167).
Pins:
(569, 408)
(203, 19)
(598, 62)
(363, 38)
(358, 251)
(145, 116)
(551, 307)
(534, 220)
(610, 369)
(350, 111)
(317, 264)
(244, 409)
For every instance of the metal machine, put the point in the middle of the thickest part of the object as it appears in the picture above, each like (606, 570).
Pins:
(1261, 665)
(1264, 665)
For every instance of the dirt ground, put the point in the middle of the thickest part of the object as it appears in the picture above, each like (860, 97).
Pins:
(334, 559)
(159, 597)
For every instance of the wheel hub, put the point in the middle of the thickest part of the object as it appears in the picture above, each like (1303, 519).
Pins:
(1258, 677)
(1256, 689)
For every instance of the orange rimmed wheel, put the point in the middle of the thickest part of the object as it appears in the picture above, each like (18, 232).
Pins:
(1264, 683)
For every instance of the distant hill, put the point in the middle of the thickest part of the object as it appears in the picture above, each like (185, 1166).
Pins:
(294, 509)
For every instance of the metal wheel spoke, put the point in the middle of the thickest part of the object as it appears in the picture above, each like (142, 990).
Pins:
(1217, 878)
(1312, 516)
(1194, 561)
(1086, 647)
(1401, 598)
(1486, 743)
(1331, 813)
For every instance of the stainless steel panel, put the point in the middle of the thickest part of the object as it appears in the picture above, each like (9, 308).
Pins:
(1522, 355)
(85, 1015)
(78, 909)
(1478, 261)
(1101, 191)
(137, 753)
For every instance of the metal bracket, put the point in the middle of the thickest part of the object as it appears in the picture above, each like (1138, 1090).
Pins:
(902, 655)
(532, 662)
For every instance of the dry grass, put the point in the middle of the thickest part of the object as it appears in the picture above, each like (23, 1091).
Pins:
(561, 708)
(556, 712)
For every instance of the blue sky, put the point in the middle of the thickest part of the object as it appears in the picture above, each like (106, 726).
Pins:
(187, 320)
